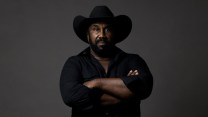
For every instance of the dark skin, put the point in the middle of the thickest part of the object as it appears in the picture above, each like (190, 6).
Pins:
(114, 89)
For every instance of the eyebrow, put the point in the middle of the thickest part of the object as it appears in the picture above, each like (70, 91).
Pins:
(94, 25)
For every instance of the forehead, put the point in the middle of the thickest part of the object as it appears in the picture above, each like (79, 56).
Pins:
(103, 24)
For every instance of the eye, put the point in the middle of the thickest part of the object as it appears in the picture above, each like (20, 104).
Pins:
(108, 29)
(94, 29)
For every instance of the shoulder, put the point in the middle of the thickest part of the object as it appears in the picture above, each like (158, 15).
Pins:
(80, 56)
(132, 55)
(76, 59)
(134, 58)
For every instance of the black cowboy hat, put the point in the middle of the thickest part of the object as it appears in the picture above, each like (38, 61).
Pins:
(121, 23)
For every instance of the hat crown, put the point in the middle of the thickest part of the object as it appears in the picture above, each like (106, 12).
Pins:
(101, 11)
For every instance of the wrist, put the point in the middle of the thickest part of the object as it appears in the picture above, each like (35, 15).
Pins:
(97, 83)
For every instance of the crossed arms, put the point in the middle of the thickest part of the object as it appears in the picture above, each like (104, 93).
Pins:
(114, 88)
(84, 95)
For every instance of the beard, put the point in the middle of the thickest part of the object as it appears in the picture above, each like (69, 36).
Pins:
(102, 47)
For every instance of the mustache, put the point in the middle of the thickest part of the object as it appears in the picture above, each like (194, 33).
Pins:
(101, 39)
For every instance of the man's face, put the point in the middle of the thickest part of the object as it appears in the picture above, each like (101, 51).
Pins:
(100, 38)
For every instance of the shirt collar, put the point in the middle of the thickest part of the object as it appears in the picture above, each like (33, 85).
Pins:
(118, 51)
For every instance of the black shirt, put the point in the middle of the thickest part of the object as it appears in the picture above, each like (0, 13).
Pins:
(85, 101)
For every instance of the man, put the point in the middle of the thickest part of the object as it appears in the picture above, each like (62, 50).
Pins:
(103, 80)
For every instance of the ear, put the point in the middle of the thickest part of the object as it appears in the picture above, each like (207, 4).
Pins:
(88, 36)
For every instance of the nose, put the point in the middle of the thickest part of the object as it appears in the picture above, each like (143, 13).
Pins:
(102, 33)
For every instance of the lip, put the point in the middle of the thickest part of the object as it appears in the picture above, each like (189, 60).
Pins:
(101, 43)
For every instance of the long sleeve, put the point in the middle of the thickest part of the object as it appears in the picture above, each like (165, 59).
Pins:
(141, 85)
(75, 94)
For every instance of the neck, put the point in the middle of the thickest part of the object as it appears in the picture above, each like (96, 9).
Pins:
(99, 58)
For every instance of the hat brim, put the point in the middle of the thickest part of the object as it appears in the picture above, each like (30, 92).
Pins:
(121, 23)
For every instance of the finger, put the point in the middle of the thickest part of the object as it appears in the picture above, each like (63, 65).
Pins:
(135, 72)
(130, 72)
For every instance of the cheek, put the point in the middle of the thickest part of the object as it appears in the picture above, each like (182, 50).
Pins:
(91, 38)
(93, 35)
(110, 37)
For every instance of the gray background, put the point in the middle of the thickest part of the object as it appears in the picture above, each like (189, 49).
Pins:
(36, 38)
